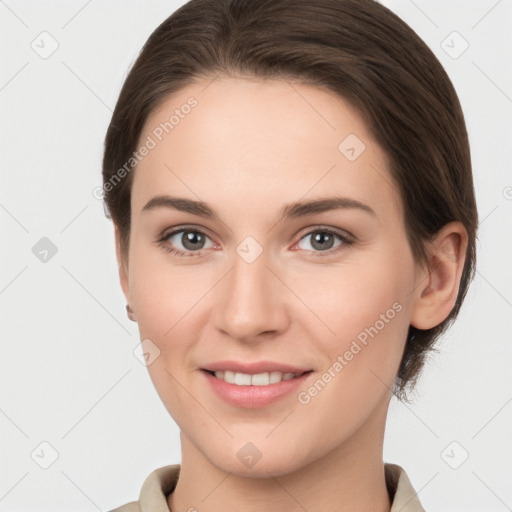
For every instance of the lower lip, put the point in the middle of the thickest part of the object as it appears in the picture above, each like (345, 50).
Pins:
(253, 396)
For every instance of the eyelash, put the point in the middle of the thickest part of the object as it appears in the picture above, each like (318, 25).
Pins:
(345, 239)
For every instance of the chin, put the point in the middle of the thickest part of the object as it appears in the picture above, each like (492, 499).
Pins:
(261, 469)
(247, 459)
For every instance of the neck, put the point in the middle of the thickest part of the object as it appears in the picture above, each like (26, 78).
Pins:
(347, 478)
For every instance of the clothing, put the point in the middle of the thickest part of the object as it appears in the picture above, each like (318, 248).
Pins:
(162, 481)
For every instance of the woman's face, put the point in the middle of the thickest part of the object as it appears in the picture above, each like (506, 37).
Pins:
(328, 288)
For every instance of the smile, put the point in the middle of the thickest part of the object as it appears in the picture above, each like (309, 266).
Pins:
(246, 390)
(258, 379)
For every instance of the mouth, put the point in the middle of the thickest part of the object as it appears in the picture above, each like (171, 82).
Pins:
(258, 379)
(255, 390)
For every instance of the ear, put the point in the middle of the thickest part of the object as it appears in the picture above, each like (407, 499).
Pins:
(121, 263)
(437, 287)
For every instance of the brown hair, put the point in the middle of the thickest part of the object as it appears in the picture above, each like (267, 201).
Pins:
(358, 49)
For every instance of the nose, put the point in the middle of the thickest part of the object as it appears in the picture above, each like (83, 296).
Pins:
(251, 302)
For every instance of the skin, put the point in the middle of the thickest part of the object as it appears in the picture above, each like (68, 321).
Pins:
(247, 149)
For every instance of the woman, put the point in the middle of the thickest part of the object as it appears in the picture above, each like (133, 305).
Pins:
(290, 184)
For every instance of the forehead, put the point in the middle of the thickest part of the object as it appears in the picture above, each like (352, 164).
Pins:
(246, 141)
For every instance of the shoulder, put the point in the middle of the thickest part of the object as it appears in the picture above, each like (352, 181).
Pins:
(154, 491)
(404, 497)
(133, 506)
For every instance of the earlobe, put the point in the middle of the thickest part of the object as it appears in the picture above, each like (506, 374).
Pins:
(438, 286)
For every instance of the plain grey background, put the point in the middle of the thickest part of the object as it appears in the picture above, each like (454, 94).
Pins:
(75, 398)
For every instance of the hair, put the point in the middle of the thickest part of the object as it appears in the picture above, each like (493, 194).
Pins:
(358, 49)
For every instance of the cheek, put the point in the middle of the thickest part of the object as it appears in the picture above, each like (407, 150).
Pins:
(368, 313)
(351, 297)
(357, 299)
(166, 308)
(364, 309)
(169, 300)
(156, 295)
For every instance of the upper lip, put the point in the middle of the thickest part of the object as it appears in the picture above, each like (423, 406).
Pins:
(254, 368)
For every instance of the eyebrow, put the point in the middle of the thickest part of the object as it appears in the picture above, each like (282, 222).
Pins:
(290, 210)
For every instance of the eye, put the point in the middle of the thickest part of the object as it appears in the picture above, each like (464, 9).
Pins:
(323, 241)
(185, 242)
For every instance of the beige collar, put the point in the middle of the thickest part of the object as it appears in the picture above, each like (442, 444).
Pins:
(161, 482)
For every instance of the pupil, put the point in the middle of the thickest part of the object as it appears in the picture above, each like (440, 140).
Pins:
(320, 239)
(191, 237)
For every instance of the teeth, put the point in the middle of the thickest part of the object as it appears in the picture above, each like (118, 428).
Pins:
(259, 379)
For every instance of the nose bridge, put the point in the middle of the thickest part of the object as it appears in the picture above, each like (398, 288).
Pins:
(250, 301)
